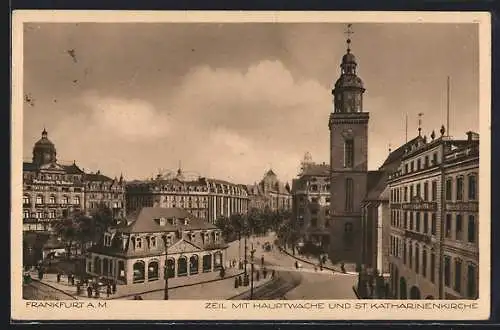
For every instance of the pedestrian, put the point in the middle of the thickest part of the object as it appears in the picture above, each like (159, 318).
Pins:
(264, 272)
(296, 264)
(114, 287)
(72, 279)
(58, 277)
(342, 268)
(89, 291)
(78, 289)
(273, 274)
(40, 274)
(108, 290)
(321, 267)
(257, 276)
(262, 260)
(97, 293)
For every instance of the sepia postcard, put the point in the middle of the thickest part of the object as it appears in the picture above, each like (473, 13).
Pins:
(250, 165)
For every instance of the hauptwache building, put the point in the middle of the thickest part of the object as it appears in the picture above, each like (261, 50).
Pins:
(205, 198)
(154, 238)
(434, 219)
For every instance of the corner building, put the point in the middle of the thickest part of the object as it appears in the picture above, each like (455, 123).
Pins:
(348, 126)
(434, 220)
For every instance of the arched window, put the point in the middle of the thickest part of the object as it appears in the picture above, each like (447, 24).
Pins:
(52, 199)
(349, 153)
(153, 271)
(207, 263)
(76, 200)
(193, 264)
(64, 200)
(26, 214)
(139, 271)
(39, 199)
(182, 266)
(26, 199)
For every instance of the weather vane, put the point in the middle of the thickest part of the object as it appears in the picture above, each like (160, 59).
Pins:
(349, 32)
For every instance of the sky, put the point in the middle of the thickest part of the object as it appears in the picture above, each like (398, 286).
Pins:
(230, 101)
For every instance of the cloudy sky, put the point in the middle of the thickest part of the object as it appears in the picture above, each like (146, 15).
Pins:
(232, 100)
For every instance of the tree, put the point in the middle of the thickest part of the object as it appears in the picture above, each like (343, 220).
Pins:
(76, 228)
(101, 220)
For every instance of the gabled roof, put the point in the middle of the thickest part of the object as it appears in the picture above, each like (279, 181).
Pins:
(316, 170)
(97, 177)
(399, 152)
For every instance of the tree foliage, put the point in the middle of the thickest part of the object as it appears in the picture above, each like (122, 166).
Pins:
(255, 221)
(81, 229)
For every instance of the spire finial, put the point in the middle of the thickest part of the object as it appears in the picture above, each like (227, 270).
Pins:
(349, 32)
(420, 123)
(390, 148)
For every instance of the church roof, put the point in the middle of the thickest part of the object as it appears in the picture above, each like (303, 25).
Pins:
(376, 183)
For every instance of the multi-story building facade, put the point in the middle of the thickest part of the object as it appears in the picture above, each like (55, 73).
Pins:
(270, 193)
(376, 213)
(204, 198)
(52, 190)
(154, 239)
(101, 190)
(311, 203)
(434, 205)
(348, 126)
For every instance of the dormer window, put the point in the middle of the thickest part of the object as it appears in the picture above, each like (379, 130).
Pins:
(186, 222)
(153, 242)
(171, 220)
(162, 222)
(138, 243)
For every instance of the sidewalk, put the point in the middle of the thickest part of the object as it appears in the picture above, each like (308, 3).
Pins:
(350, 268)
(203, 286)
(125, 291)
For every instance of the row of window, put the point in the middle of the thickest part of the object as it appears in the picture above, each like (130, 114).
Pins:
(458, 231)
(51, 214)
(421, 163)
(423, 190)
(459, 272)
(52, 188)
(316, 188)
(459, 190)
(422, 222)
(55, 177)
(39, 199)
(151, 242)
(415, 256)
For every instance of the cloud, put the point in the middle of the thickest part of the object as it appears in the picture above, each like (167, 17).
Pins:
(129, 119)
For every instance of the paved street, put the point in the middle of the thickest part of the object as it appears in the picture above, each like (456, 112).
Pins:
(40, 291)
(314, 284)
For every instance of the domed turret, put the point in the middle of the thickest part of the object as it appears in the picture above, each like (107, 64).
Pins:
(349, 88)
(44, 151)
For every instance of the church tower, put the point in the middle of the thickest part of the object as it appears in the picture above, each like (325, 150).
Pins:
(348, 126)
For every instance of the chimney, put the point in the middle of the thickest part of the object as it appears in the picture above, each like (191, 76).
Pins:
(472, 136)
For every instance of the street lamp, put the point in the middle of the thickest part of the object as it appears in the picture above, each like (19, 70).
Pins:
(166, 271)
(252, 269)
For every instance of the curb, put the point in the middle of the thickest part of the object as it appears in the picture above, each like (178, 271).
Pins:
(177, 287)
